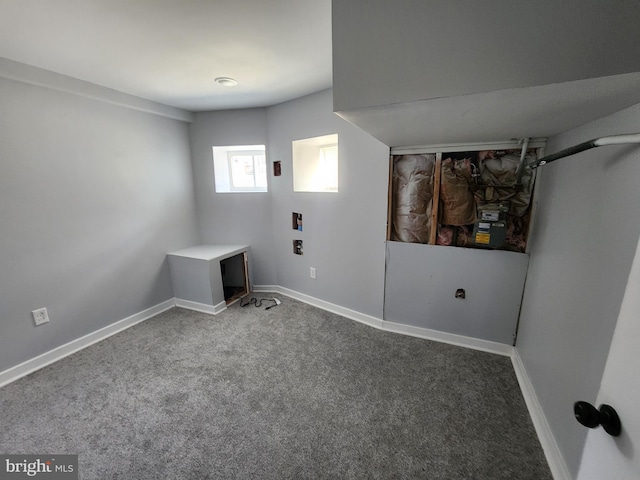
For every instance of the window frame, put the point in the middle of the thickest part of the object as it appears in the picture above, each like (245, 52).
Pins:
(245, 153)
(222, 161)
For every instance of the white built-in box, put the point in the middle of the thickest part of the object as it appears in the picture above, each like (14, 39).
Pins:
(207, 278)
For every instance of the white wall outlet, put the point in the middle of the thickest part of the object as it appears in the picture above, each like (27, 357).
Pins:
(312, 272)
(40, 316)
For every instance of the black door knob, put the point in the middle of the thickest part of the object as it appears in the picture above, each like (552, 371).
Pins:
(586, 414)
(606, 416)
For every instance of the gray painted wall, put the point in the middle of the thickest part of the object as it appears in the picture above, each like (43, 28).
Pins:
(390, 52)
(584, 241)
(92, 196)
(344, 232)
(421, 282)
(233, 218)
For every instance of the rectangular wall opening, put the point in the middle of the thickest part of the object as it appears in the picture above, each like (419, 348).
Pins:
(235, 278)
(466, 198)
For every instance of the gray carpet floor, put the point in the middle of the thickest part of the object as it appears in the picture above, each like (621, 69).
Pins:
(293, 392)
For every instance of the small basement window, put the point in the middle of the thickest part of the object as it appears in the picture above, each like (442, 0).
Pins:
(315, 164)
(240, 168)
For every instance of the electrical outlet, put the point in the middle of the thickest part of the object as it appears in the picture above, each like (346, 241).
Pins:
(312, 272)
(40, 316)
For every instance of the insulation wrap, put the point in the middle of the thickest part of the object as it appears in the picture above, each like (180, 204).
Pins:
(412, 200)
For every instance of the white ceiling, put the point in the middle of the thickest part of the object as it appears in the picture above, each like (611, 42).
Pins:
(170, 51)
(416, 72)
(542, 111)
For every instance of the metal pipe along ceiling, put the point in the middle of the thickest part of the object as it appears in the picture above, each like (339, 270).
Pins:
(581, 147)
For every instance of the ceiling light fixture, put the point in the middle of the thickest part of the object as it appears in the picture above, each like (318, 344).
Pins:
(226, 81)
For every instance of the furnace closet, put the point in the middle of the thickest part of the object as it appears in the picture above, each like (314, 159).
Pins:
(459, 217)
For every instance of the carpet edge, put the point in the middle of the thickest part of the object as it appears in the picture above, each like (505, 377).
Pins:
(427, 334)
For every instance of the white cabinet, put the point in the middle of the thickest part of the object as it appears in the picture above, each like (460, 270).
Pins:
(207, 278)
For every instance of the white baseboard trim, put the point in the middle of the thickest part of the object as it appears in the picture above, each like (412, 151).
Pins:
(264, 288)
(443, 337)
(554, 456)
(316, 302)
(450, 338)
(25, 368)
(201, 307)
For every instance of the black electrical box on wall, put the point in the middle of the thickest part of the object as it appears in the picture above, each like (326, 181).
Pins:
(296, 221)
